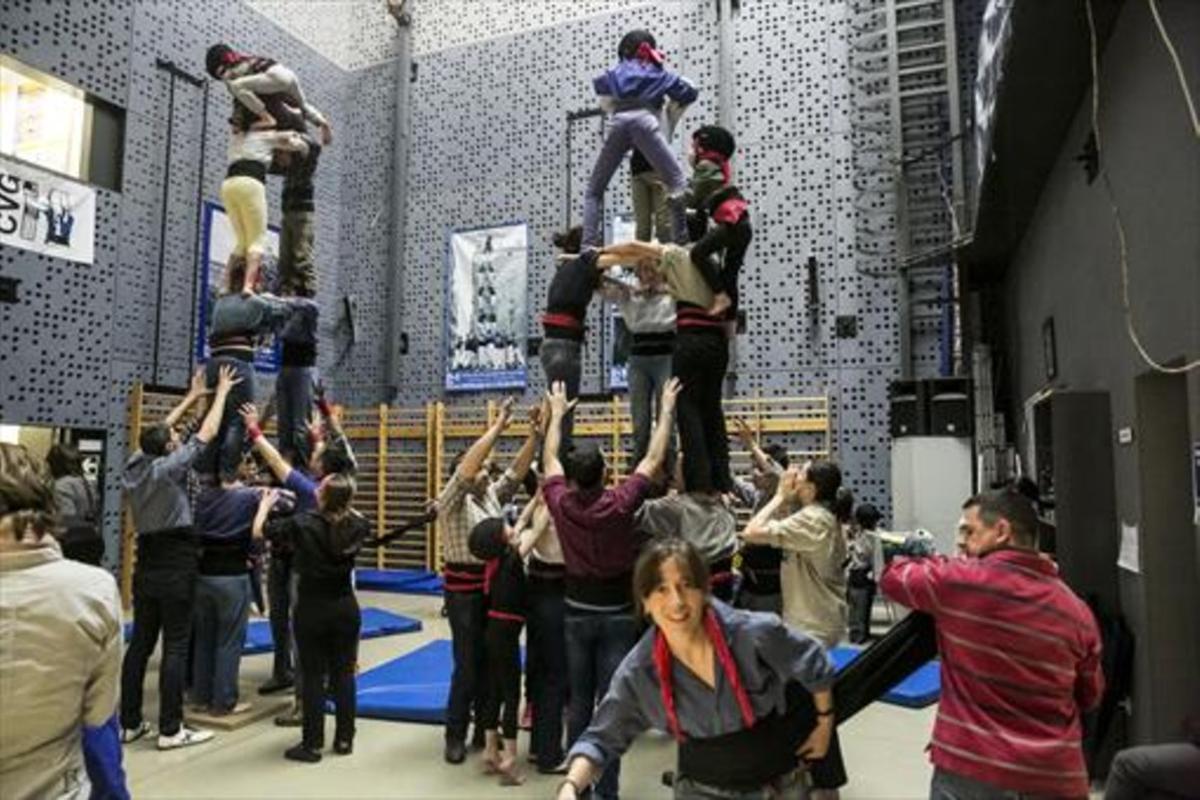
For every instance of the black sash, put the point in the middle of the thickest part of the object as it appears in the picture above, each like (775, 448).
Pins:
(752, 757)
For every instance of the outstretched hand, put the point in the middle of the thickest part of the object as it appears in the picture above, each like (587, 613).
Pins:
(670, 394)
(226, 379)
(744, 433)
(506, 411)
(560, 406)
(199, 385)
(249, 413)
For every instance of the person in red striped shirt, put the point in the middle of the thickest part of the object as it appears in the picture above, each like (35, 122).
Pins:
(1020, 658)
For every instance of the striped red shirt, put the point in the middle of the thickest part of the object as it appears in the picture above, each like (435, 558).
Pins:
(1020, 664)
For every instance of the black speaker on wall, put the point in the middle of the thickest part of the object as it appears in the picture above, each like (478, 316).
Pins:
(932, 407)
(909, 415)
(950, 407)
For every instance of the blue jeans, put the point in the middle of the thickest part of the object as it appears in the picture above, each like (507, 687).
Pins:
(596, 643)
(647, 375)
(219, 620)
(224, 452)
(561, 362)
(640, 128)
(294, 402)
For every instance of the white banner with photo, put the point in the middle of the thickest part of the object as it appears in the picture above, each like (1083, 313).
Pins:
(45, 213)
(486, 275)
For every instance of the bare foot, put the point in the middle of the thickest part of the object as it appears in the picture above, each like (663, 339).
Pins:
(509, 774)
(491, 763)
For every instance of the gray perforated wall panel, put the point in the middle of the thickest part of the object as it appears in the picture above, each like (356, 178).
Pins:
(71, 349)
(489, 134)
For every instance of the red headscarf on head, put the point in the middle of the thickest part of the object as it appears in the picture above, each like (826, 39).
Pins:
(662, 666)
(647, 53)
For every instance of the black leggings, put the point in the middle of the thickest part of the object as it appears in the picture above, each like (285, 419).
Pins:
(699, 361)
(326, 630)
(504, 675)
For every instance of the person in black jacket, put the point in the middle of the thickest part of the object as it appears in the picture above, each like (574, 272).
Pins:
(327, 619)
(718, 221)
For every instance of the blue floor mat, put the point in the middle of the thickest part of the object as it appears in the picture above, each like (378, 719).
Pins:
(375, 622)
(920, 689)
(412, 688)
(400, 581)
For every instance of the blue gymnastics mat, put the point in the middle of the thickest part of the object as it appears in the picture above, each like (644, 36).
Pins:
(400, 581)
(919, 689)
(375, 622)
(412, 688)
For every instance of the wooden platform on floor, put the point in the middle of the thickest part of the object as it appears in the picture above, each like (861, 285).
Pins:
(260, 708)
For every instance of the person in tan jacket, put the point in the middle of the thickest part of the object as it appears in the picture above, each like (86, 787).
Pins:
(60, 650)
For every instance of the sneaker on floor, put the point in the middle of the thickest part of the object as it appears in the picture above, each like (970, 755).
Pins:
(131, 735)
(184, 737)
(292, 718)
(239, 708)
(275, 685)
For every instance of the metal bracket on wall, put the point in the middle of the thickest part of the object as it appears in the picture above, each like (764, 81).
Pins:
(174, 72)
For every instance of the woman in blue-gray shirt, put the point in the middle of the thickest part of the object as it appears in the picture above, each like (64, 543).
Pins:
(746, 697)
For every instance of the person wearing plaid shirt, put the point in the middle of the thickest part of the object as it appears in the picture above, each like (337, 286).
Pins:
(474, 493)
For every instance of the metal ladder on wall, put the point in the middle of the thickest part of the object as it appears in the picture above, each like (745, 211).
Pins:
(908, 170)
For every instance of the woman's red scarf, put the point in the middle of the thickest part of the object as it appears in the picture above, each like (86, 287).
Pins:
(662, 666)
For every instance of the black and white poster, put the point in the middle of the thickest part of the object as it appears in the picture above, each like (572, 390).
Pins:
(486, 308)
(46, 213)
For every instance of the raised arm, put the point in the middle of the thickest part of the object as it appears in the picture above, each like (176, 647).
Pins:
(527, 528)
(758, 528)
(196, 389)
(761, 460)
(472, 462)
(279, 467)
(336, 435)
(556, 398)
(265, 504)
(657, 451)
(523, 460)
(226, 380)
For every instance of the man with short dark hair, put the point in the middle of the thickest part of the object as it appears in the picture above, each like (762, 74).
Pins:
(164, 579)
(472, 495)
(600, 544)
(1020, 658)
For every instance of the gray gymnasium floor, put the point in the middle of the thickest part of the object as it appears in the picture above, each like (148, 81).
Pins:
(884, 748)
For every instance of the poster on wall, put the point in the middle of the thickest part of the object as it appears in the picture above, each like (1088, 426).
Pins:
(46, 213)
(994, 35)
(216, 244)
(621, 229)
(486, 308)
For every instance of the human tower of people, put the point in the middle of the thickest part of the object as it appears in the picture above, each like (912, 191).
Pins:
(634, 613)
